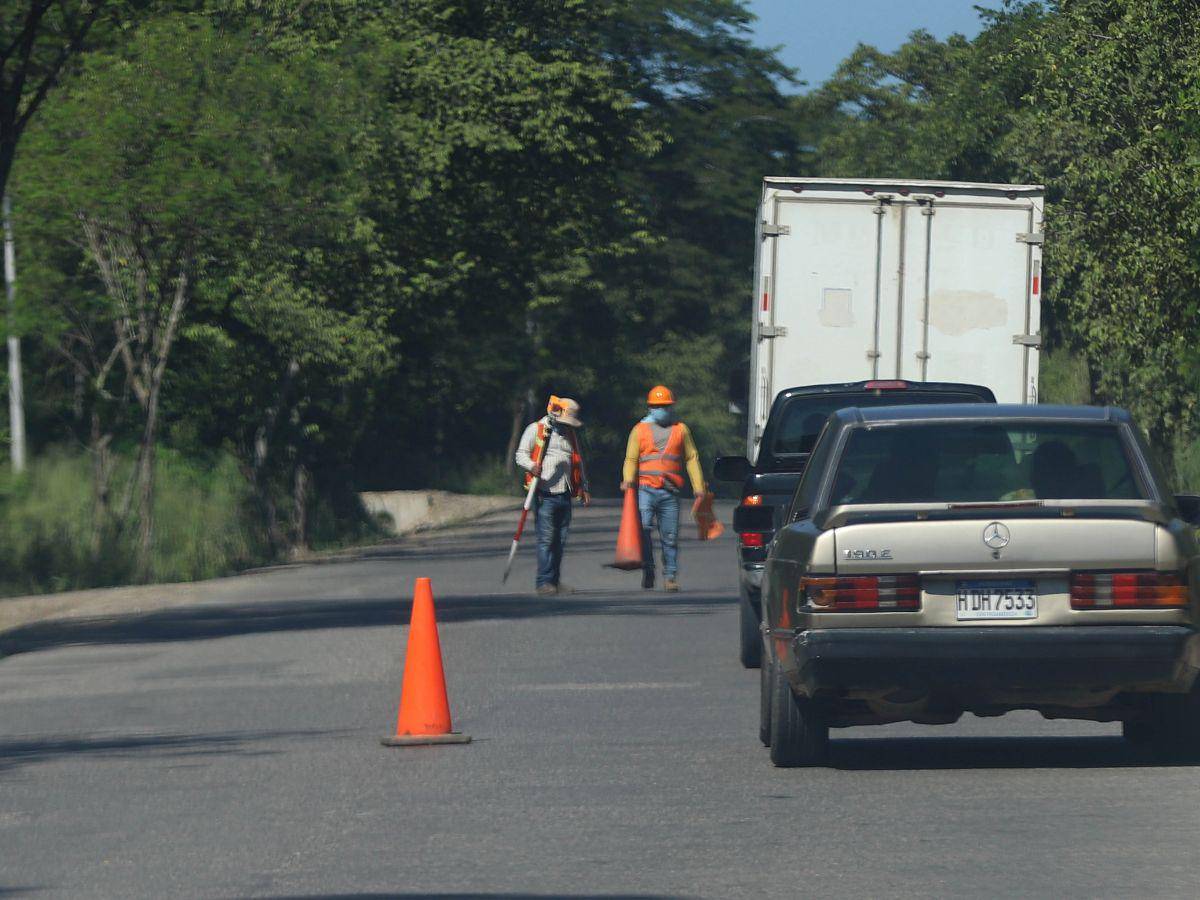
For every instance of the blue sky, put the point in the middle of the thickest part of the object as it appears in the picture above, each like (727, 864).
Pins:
(817, 34)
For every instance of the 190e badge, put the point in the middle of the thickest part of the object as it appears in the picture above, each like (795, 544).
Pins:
(868, 554)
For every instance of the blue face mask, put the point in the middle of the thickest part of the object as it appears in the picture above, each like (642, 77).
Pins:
(661, 415)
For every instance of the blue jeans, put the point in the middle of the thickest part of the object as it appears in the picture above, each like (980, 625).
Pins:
(663, 505)
(553, 517)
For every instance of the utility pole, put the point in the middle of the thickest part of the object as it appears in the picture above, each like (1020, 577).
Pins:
(16, 395)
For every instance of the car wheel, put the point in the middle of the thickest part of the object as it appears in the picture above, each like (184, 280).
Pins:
(764, 702)
(1138, 731)
(751, 636)
(799, 734)
(1175, 724)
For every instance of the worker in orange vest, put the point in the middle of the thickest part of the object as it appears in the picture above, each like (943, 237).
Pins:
(549, 451)
(658, 453)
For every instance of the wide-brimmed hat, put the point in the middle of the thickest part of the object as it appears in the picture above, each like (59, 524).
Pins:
(564, 410)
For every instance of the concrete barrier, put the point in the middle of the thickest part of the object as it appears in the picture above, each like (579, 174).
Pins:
(410, 511)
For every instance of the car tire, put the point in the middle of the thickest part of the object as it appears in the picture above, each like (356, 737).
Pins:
(751, 636)
(1174, 724)
(764, 702)
(799, 733)
(1139, 732)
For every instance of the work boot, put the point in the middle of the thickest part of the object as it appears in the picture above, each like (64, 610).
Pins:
(543, 589)
(648, 579)
(670, 585)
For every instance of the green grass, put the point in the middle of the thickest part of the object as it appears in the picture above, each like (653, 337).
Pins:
(201, 529)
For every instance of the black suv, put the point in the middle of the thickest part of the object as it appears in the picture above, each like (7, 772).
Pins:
(796, 418)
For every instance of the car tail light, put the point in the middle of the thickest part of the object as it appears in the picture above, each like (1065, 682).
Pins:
(886, 386)
(1128, 590)
(753, 500)
(753, 539)
(870, 592)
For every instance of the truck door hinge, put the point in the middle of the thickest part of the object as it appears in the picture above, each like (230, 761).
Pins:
(1031, 237)
(769, 230)
(771, 331)
(1028, 340)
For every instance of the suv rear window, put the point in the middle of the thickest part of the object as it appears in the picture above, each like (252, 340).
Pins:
(973, 462)
(801, 420)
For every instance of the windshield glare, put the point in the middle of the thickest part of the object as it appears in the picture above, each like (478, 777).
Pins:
(801, 420)
(984, 463)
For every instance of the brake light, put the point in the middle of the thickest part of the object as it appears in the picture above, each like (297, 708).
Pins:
(753, 539)
(753, 500)
(862, 592)
(1128, 590)
(886, 386)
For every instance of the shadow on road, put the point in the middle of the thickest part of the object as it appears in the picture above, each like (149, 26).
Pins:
(45, 748)
(910, 754)
(194, 623)
(478, 896)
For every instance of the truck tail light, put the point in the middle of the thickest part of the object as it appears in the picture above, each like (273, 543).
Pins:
(1128, 590)
(886, 386)
(753, 539)
(858, 592)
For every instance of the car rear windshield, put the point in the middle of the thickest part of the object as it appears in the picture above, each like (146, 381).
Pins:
(801, 419)
(972, 462)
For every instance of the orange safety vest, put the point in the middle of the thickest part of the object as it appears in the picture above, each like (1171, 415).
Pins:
(660, 466)
(576, 478)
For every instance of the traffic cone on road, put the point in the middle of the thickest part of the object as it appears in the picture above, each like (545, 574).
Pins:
(424, 716)
(629, 538)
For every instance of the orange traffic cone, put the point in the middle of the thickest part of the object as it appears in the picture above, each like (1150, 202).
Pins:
(424, 710)
(629, 538)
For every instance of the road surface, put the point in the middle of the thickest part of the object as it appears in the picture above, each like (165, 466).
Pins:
(231, 749)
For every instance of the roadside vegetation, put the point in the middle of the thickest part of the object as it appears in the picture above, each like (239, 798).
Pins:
(273, 253)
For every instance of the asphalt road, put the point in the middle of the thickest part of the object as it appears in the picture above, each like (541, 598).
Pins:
(232, 749)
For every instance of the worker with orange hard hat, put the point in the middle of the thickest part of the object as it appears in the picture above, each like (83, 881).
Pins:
(660, 450)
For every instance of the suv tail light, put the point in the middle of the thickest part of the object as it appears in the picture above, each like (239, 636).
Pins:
(1128, 590)
(870, 592)
(753, 539)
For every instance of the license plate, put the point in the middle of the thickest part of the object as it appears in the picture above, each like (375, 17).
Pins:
(996, 600)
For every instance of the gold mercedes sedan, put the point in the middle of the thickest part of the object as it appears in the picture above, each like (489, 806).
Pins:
(937, 560)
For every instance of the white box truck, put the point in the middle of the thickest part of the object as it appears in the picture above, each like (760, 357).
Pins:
(888, 279)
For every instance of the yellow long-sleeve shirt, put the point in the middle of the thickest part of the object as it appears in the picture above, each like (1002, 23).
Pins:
(691, 459)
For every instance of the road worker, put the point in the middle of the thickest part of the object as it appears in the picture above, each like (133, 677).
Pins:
(549, 451)
(660, 449)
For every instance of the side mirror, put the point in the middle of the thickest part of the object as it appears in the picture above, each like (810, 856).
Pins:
(732, 468)
(1189, 508)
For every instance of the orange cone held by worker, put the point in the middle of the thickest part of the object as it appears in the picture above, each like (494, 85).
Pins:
(629, 538)
(424, 716)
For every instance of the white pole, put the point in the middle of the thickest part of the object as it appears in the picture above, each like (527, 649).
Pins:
(16, 401)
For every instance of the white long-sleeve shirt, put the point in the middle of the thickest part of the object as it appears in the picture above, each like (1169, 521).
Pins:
(556, 458)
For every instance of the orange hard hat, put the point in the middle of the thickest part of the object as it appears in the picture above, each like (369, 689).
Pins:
(660, 395)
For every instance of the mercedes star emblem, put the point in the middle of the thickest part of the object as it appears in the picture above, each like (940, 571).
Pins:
(997, 536)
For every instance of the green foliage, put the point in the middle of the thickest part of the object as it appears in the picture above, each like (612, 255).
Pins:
(1064, 378)
(46, 525)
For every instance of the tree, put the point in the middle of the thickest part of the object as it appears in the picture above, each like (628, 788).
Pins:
(177, 159)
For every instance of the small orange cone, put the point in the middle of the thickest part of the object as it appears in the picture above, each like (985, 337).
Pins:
(629, 538)
(424, 710)
(709, 526)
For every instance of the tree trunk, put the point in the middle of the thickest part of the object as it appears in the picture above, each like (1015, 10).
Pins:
(520, 404)
(145, 481)
(99, 446)
(300, 483)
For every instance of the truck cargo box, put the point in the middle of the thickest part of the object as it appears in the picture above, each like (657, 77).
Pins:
(892, 279)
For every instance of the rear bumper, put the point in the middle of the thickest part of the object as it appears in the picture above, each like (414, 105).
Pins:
(962, 661)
